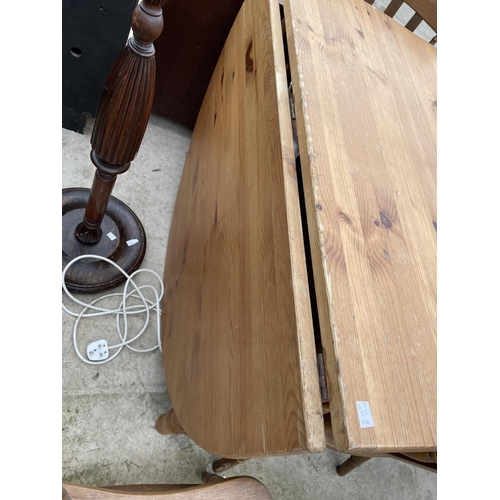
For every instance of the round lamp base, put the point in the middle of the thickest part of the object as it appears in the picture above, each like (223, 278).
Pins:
(123, 241)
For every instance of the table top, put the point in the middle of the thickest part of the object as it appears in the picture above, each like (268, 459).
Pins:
(238, 341)
(238, 336)
(365, 97)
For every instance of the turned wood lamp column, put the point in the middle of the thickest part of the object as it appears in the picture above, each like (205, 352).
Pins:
(94, 222)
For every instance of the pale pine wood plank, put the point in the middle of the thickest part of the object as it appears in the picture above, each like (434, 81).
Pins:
(237, 330)
(366, 104)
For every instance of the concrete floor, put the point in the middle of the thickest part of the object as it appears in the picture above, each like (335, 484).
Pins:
(109, 411)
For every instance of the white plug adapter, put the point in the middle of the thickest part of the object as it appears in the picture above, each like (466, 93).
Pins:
(98, 350)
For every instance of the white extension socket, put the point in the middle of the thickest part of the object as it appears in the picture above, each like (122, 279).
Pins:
(98, 350)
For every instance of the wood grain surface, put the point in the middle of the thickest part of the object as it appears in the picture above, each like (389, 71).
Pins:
(238, 341)
(366, 103)
(241, 488)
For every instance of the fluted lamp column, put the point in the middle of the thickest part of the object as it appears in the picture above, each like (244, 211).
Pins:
(94, 222)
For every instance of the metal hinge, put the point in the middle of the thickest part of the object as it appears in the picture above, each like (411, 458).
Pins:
(322, 378)
(292, 102)
(294, 121)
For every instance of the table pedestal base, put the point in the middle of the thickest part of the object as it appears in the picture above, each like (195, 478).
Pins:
(123, 241)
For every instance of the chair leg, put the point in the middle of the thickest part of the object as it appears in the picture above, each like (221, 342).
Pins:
(350, 464)
(168, 423)
(207, 477)
(226, 463)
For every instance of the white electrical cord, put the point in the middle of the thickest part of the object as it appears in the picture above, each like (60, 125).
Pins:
(122, 310)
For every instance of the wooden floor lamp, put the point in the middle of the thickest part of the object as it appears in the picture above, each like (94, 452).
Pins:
(94, 222)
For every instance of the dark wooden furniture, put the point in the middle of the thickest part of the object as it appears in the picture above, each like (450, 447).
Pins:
(187, 52)
(94, 222)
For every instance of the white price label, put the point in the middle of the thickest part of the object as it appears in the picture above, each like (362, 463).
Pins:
(364, 414)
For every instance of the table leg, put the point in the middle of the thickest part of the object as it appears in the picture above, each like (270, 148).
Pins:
(211, 478)
(350, 464)
(226, 463)
(168, 423)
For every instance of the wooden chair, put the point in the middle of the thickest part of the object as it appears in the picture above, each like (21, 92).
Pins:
(425, 10)
(216, 488)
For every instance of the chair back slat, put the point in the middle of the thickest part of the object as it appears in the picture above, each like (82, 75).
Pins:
(393, 7)
(425, 10)
(414, 22)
